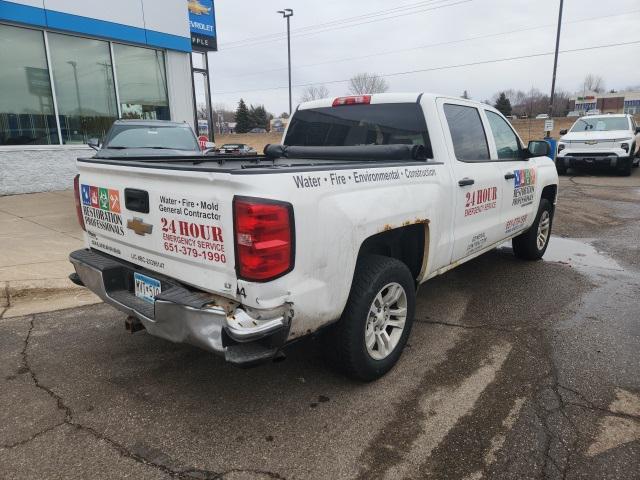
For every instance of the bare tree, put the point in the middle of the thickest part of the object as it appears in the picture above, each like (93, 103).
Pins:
(593, 83)
(561, 103)
(314, 93)
(367, 83)
(528, 103)
(201, 111)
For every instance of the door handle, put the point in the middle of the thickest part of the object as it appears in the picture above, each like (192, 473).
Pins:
(466, 181)
(509, 176)
(136, 200)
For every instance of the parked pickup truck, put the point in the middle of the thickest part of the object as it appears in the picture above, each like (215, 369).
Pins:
(331, 232)
(606, 141)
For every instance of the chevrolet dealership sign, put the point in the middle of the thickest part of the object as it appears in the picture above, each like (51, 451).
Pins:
(202, 21)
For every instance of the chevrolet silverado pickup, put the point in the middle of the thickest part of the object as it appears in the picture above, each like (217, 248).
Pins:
(330, 232)
(606, 141)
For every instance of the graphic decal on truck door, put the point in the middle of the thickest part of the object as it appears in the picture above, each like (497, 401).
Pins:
(101, 209)
(524, 187)
(480, 200)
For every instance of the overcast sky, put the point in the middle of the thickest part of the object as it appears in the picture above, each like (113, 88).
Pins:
(391, 37)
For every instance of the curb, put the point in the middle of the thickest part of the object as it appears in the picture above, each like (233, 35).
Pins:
(23, 297)
(22, 288)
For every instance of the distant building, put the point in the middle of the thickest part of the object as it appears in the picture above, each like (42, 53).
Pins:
(69, 68)
(619, 102)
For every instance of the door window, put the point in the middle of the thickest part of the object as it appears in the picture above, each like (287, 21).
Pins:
(467, 133)
(506, 140)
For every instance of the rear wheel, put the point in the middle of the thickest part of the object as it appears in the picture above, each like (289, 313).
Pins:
(531, 244)
(369, 338)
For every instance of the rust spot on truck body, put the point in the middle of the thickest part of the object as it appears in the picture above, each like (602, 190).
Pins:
(406, 223)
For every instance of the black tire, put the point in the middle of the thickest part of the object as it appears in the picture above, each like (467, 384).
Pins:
(525, 245)
(562, 170)
(625, 170)
(345, 340)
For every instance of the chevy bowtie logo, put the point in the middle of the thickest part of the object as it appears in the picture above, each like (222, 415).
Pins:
(138, 226)
(591, 142)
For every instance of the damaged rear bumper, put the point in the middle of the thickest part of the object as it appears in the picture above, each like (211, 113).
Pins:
(182, 315)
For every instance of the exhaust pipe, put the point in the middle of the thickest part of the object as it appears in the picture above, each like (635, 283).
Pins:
(133, 324)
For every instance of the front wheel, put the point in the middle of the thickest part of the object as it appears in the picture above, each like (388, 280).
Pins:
(531, 244)
(625, 169)
(369, 338)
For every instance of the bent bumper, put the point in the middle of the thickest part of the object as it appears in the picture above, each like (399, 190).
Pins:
(182, 315)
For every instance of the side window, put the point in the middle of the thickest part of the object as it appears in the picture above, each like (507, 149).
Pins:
(467, 133)
(507, 143)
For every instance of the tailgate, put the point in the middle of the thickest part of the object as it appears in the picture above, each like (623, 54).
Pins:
(177, 223)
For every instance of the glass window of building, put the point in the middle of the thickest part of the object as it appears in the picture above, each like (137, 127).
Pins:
(26, 104)
(142, 82)
(85, 91)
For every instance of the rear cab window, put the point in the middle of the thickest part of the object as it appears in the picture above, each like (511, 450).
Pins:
(357, 125)
(151, 136)
(467, 133)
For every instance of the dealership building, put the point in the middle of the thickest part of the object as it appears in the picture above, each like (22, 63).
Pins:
(613, 102)
(69, 68)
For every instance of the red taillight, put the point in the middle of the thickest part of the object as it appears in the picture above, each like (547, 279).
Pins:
(76, 191)
(263, 238)
(353, 100)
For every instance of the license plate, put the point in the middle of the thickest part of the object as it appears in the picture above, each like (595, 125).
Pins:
(145, 287)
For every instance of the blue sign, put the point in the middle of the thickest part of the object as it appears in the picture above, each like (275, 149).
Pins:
(202, 20)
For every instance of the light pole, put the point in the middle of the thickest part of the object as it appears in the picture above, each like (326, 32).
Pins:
(288, 13)
(74, 65)
(555, 64)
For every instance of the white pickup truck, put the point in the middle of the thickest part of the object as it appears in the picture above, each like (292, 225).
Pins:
(368, 197)
(607, 141)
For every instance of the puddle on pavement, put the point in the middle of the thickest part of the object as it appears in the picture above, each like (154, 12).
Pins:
(577, 254)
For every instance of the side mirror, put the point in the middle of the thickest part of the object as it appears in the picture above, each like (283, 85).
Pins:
(94, 143)
(637, 129)
(563, 131)
(539, 148)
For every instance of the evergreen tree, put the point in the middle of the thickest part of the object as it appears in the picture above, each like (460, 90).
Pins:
(259, 117)
(243, 118)
(503, 104)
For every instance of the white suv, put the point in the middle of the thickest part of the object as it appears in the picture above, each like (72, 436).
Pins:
(599, 141)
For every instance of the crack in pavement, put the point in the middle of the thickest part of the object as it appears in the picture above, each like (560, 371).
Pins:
(8, 297)
(481, 326)
(188, 473)
(544, 415)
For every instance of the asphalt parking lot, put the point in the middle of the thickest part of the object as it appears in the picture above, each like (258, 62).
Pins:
(513, 370)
